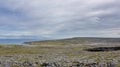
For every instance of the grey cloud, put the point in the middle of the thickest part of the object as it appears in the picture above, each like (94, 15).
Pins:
(61, 17)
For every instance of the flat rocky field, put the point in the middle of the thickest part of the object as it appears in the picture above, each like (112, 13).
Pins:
(70, 55)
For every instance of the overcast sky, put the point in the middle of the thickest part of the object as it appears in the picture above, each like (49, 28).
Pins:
(59, 18)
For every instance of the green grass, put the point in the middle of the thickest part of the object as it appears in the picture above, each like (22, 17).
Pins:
(68, 51)
(76, 40)
(56, 42)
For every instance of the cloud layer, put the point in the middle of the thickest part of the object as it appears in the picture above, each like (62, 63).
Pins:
(60, 18)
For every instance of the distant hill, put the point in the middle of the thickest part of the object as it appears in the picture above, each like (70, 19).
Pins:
(76, 40)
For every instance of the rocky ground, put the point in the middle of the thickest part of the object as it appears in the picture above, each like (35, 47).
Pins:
(36, 60)
(72, 55)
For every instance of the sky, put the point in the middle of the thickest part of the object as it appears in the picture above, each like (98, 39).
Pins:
(59, 18)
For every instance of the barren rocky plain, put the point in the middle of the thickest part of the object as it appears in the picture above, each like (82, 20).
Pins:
(72, 52)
